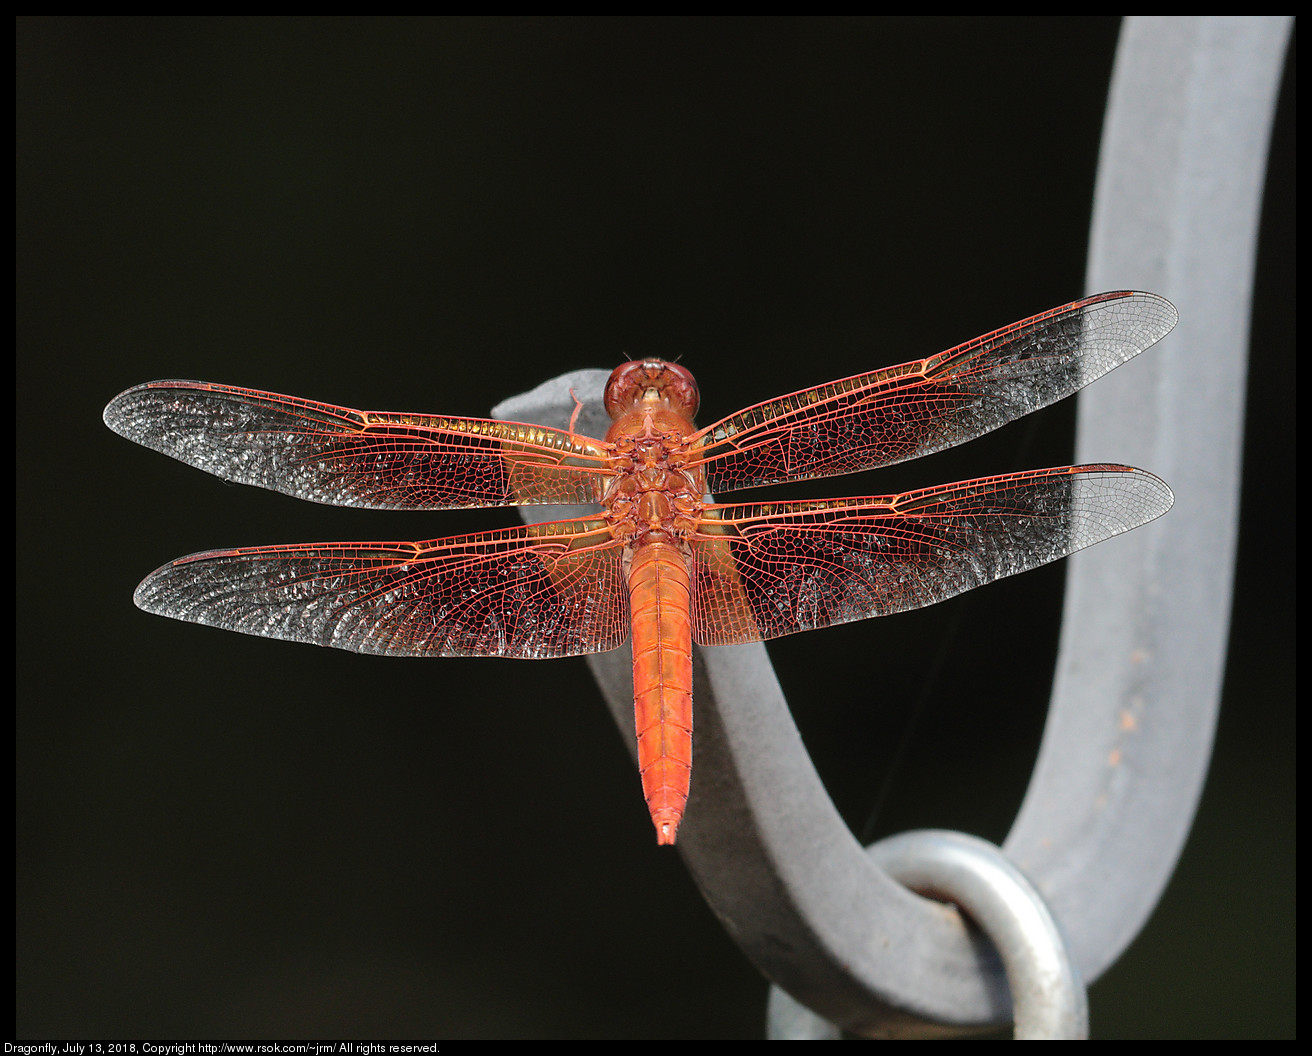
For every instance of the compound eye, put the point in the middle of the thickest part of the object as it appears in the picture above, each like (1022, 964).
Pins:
(624, 388)
(680, 390)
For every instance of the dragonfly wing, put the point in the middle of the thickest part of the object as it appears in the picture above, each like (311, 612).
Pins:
(914, 409)
(345, 457)
(764, 570)
(546, 590)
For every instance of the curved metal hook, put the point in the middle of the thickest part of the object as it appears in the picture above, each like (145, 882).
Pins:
(1130, 729)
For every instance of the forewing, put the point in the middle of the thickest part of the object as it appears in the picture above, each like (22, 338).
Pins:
(914, 409)
(764, 570)
(546, 590)
(345, 457)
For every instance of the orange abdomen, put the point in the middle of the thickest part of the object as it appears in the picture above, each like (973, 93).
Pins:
(661, 591)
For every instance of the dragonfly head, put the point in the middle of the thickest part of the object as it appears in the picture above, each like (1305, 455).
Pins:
(651, 384)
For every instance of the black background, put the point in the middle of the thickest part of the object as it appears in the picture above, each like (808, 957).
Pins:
(224, 835)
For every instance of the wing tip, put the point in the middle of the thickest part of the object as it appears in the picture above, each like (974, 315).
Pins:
(1166, 316)
(118, 415)
(1152, 497)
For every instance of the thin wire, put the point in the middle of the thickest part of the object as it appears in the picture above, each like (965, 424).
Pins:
(915, 717)
(929, 684)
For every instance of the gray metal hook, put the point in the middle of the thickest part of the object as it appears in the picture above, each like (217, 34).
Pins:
(1129, 732)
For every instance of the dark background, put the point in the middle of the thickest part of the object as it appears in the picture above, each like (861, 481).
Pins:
(221, 835)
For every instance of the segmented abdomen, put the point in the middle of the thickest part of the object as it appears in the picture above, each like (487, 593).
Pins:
(661, 591)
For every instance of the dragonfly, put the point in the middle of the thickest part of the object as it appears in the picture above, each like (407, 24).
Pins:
(661, 564)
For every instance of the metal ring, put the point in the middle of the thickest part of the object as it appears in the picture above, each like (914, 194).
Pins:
(1048, 996)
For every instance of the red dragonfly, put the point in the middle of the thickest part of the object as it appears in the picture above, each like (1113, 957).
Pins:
(660, 562)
